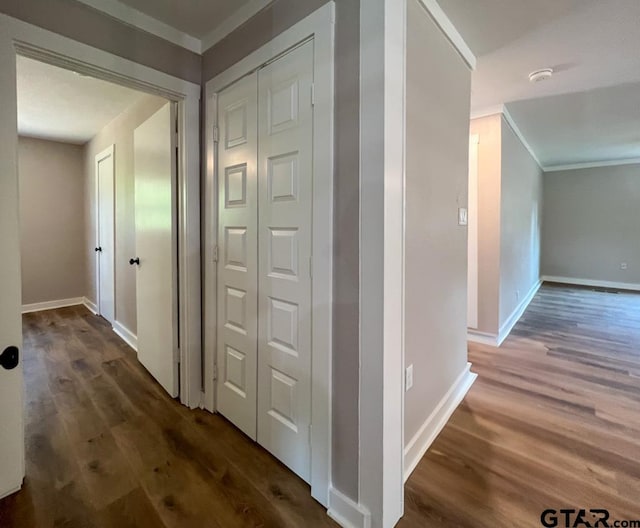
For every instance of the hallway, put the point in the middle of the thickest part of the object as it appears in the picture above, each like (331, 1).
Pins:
(106, 447)
(553, 421)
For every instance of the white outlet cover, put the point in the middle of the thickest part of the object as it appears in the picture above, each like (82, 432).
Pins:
(623, 266)
(463, 216)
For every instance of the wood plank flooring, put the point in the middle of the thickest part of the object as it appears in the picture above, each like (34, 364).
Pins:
(553, 421)
(106, 447)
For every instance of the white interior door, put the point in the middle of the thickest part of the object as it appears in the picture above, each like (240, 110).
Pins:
(472, 234)
(285, 172)
(155, 158)
(105, 233)
(238, 246)
(11, 379)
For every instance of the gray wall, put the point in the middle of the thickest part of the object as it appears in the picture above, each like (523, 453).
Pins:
(90, 26)
(437, 144)
(52, 230)
(271, 21)
(521, 213)
(591, 224)
(120, 133)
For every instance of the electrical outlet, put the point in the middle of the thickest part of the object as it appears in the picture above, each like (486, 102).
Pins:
(408, 378)
(623, 265)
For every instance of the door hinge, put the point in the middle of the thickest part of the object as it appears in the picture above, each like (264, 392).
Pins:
(313, 94)
(215, 253)
(215, 372)
(216, 134)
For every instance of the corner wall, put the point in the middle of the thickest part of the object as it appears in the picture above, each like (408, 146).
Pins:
(52, 220)
(438, 85)
(591, 224)
(120, 133)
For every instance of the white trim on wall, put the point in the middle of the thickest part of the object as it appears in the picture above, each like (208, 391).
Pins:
(318, 26)
(592, 165)
(49, 47)
(132, 17)
(433, 425)
(126, 335)
(51, 305)
(347, 513)
(90, 305)
(629, 286)
(520, 135)
(446, 26)
(244, 13)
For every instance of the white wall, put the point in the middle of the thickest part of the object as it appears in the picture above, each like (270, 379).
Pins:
(591, 224)
(437, 147)
(120, 133)
(52, 220)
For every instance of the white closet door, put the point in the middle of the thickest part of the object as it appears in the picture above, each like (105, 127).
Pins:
(237, 254)
(284, 283)
(105, 248)
(155, 212)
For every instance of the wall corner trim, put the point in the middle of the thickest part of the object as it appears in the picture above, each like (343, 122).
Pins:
(90, 305)
(484, 338)
(126, 335)
(515, 316)
(346, 512)
(628, 286)
(422, 440)
(51, 305)
(447, 27)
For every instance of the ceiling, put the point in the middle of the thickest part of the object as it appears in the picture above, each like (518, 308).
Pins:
(590, 44)
(60, 105)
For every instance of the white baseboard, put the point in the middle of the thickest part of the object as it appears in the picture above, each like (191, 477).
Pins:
(515, 316)
(51, 305)
(347, 513)
(90, 305)
(483, 338)
(595, 283)
(127, 335)
(11, 491)
(422, 440)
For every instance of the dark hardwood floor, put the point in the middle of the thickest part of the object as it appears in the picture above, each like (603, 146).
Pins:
(106, 447)
(553, 421)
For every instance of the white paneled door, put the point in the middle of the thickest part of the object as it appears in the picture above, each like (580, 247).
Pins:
(265, 178)
(105, 233)
(155, 160)
(237, 254)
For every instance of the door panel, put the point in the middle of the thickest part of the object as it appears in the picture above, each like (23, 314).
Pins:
(105, 230)
(156, 277)
(11, 384)
(285, 122)
(237, 266)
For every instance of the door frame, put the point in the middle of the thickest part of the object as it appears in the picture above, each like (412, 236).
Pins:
(109, 151)
(21, 38)
(319, 28)
(472, 234)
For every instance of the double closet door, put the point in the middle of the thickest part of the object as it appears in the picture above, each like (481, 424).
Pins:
(265, 150)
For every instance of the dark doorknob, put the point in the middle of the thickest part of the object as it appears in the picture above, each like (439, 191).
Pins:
(134, 261)
(9, 358)
(98, 249)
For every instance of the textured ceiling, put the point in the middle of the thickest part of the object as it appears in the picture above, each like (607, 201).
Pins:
(57, 104)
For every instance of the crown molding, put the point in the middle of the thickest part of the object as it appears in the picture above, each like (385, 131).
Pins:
(520, 135)
(447, 27)
(133, 17)
(592, 165)
(233, 22)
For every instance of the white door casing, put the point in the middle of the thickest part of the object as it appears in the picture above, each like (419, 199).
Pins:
(105, 232)
(156, 249)
(472, 234)
(11, 381)
(237, 255)
(285, 179)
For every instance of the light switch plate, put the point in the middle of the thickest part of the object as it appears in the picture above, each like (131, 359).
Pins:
(463, 216)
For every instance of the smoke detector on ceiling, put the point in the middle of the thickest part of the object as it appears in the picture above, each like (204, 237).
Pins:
(541, 75)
